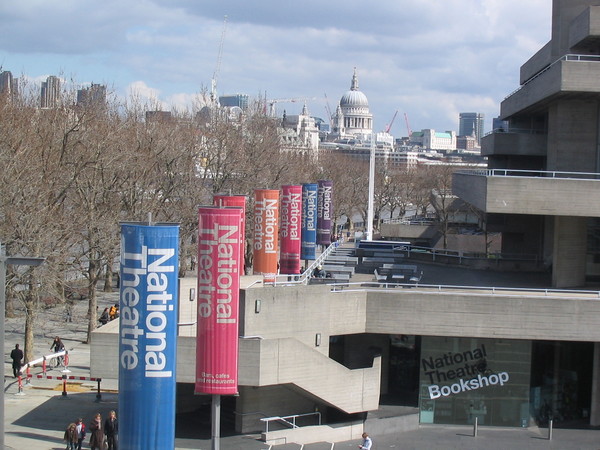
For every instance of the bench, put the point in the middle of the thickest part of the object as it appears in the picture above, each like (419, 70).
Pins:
(338, 269)
(378, 260)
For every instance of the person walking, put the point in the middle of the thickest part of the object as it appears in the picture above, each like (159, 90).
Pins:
(57, 346)
(111, 430)
(17, 360)
(367, 442)
(96, 433)
(71, 437)
(81, 432)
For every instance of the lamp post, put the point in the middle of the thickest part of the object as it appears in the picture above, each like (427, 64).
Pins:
(4, 261)
(370, 212)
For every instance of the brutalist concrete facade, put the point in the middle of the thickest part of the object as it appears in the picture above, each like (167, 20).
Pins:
(544, 182)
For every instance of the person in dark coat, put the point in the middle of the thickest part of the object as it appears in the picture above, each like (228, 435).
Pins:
(17, 357)
(111, 430)
(104, 317)
(96, 433)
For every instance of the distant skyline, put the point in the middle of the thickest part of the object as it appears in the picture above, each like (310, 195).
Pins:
(430, 60)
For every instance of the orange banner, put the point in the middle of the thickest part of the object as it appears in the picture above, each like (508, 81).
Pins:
(266, 227)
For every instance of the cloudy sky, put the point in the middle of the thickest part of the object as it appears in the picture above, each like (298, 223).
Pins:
(430, 59)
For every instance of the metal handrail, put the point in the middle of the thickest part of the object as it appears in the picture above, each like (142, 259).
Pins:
(286, 419)
(530, 173)
(306, 275)
(567, 57)
(364, 286)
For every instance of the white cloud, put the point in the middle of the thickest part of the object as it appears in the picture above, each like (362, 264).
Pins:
(429, 59)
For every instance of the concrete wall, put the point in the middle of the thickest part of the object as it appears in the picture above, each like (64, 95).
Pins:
(573, 136)
(506, 143)
(595, 403)
(570, 249)
(537, 62)
(506, 315)
(529, 195)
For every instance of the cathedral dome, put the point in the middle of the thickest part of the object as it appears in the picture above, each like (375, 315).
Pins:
(354, 97)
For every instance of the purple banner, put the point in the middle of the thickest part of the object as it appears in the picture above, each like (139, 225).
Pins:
(324, 212)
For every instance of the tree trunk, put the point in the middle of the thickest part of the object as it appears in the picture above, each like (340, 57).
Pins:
(108, 279)
(30, 311)
(9, 307)
(92, 303)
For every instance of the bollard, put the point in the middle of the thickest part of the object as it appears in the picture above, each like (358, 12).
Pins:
(550, 429)
(66, 363)
(64, 392)
(20, 385)
(28, 375)
(44, 365)
(99, 395)
(475, 427)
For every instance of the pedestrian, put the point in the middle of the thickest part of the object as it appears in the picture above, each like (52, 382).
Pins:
(17, 357)
(96, 433)
(113, 313)
(111, 430)
(81, 432)
(367, 442)
(71, 437)
(57, 346)
(104, 317)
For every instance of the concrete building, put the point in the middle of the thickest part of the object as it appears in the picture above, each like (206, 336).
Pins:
(434, 140)
(300, 132)
(500, 347)
(543, 169)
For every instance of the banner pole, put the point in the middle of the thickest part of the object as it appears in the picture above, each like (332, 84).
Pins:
(216, 421)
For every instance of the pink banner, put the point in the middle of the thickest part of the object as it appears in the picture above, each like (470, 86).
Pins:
(219, 269)
(290, 225)
(240, 201)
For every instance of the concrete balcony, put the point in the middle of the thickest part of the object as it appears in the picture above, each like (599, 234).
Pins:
(514, 142)
(530, 192)
(569, 76)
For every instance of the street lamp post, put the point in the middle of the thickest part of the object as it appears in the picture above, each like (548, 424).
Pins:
(370, 212)
(4, 261)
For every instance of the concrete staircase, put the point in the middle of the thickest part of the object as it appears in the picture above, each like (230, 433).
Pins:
(288, 361)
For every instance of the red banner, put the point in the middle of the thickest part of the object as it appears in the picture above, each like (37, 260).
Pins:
(239, 201)
(266, 223)
(218, 300)
(290, 218)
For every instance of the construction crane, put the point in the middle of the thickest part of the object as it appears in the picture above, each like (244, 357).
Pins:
(328, 109)
(274, 101)
(389, 127)
(213, 82)
(409, 131)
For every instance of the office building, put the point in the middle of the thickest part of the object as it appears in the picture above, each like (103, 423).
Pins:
(239, 100)
(9, 85)
(471, 124)
(50, 92)
(94, 95)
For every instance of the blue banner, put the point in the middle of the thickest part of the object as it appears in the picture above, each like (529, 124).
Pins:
(309, 221)
(148, 336)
